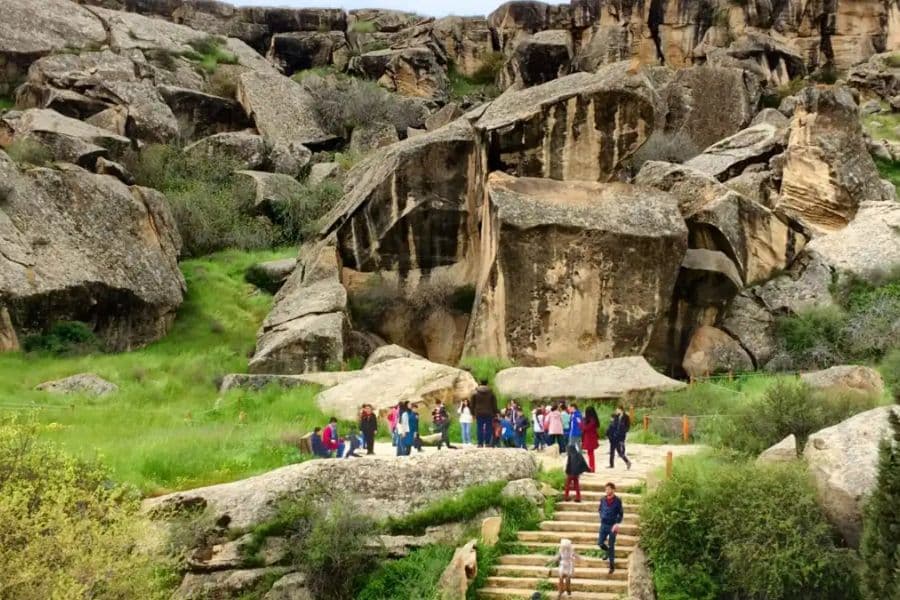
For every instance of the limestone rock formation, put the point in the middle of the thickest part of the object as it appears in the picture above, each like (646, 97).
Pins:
(712, 351)
(463, 567)
(258, 381)
(385, 384)
(306, 329)
(613, 378)
(87, 384)
(827, 170)
(200, 114)
(224, 584)
(846, 378)
(372, 136)
(868, 246)
(879, 76)
(243, 149)
(389, 352)
(640, 576)
(524, 488)
(82, 247)
(729, 157)
(271, 275)
(290, 587)
(554, 284)
(540, 58)
(414, 482)
(843, 461)
(409, 71)
(783, 451)
(264, 192)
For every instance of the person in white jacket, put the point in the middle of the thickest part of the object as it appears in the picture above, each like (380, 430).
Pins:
(402, 429)
(465, 422)
(566, 557)
(537, 422)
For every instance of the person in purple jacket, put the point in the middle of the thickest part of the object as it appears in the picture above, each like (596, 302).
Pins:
(611, 514)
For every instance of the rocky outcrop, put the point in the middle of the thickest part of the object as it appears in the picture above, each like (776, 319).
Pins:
(843, 461)
(306, 329)
(414, 482)
(783, 451)
(868, 246)
(640, 576)
(554, 285)
(827, 169)
(878, 76)
(846, 378)
(389, 352)
(242, 149)
(463, 567)
(265, 193)
(271, 275)
(540, 58)
(613, 378)
(384, 384)
(86, 384)
(224, 584)
(730, 157)
(372, 136)
(411, 71)
(75, 246)
(712, 351)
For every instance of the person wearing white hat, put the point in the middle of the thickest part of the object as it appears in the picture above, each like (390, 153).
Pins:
(566, 559)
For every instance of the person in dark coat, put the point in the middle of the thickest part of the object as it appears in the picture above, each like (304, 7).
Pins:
(575, 466)
(440, 418)
(611, 514)
(616, 433)
(484, 407)
(368, 424)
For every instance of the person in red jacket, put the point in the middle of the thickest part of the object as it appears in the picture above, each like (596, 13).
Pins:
(590, 437)
(330, 438)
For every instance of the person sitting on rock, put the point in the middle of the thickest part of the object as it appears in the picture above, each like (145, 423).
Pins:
(566, 557)
(330, 438)
(611, 514)
(318, 448)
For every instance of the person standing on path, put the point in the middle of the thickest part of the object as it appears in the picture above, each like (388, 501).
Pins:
(402, 428)
(392, 419)
(441, 420)
(537, 418)
(554, 427)
(484, 405)
(412, 437)
(620, 425)
(590, 437)
(611, 514)
(465, 422)
(566, 421)
(368, 424)
(575, 467)
(575, 426)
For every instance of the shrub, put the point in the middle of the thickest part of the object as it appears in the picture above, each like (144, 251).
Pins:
(298, 218)
(470, 503)
(722, 529)
(879, 548)
(491, 65)
(200, 193)
(223, 83)
(66, 531)
(481, 86)
(63, 338)
(414, 577)
(893, 61)
(363, 27)
(484, 367)
(7, 103)
(30, 152)
(344, 103)
(210, 53)
(890, 369)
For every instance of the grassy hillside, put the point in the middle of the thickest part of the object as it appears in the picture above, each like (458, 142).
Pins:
(167, 428)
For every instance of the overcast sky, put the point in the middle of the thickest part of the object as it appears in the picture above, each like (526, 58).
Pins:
(437, 8)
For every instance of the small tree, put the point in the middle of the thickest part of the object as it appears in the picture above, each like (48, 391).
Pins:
(880, 547)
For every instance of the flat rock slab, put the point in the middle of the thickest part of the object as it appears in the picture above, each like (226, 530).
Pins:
(83, 383)
(844, 378)
(384, 486)
(250, 381)
(612, 378)
(401, 379)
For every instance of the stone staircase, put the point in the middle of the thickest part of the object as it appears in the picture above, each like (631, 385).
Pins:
(520, 575)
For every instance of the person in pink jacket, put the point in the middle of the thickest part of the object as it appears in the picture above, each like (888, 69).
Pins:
(553, 426)
(392, 417)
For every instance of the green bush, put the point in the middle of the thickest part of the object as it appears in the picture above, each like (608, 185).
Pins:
(470, 503)
(491, 65)
(29, 152)
(890, 369)
(484, 367)
(881, 526)
(63, 338)
(7, 103)
(414, 577)
(67, 531)
(724, 529)
(209, 53)
(363, 27)
(481, 86)
(299, 217)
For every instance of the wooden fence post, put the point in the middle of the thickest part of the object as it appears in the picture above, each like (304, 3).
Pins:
(646, 422)
(631, 415)
(685, 429)
(669, 464)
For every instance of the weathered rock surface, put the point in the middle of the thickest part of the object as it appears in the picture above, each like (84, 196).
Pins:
(729, 157)
(463, 567)
(868, 246)
(243, 149)
(265, 192)
(611, 378)
(372, 136)
(524, 488)
(846, 378)
(783, 451)
(555, 286)
(712, 351)
(322, 172)
(200, 114)
(82, 247)
(87, 384)
(257, 381)
(389, 352)
(9, 341)
(290, 587)
(640, 576)
(272, 274)
(879, 75)
(298, 50)
(541, 57)
(306, 329)
(414, 482)
(843, 461)
(385, 384)
(224, 584)
(828, 170)
(411, 71)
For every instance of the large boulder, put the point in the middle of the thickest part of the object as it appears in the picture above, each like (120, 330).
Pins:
(83, 247)
(299, 50)
(413, 482)
(613, 378)
(751, 146)
(271, 274)
(87, 384)
(410, 71)
(846, 378)
(467, 41)
(463, 567)
(783, 451)
(306, 328)
(372, 136)
(541, 57)
(200, 114)
(265, 193)
(712, 351)
(385, 384)
(843, 461)
(389, 352)
(827, 170)
(879, 75)
(242, 149)
(868, 247)
(557, 285)
(581, 126)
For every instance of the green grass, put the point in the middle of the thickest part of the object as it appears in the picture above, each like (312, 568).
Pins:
(363, 27)
(414, 577)
(890, 170)
(209, 53)
(166, 428)
(7, 103)
(328, 71)
(470, 503)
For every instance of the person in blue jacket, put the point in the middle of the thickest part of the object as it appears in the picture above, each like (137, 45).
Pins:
(318, 447)
(611, 514)
(576, 422)
(412, 436)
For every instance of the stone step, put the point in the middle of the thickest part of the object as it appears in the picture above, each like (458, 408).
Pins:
(598, 483)
(587, 528)
(596, 496)
(579, 585)
(622, 552)
(583, 537)
(631, 518)
(526, 594)
(591, 506)
(598, 572)
(543, 559)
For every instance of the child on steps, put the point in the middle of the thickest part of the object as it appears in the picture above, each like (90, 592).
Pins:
(566, 559)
